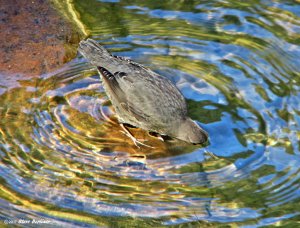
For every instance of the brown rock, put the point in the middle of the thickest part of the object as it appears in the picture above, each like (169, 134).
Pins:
(33, 37)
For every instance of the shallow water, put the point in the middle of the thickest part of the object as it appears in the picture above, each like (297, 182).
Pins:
(63, 157)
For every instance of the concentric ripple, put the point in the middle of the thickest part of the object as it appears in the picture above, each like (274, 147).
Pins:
(64, 157)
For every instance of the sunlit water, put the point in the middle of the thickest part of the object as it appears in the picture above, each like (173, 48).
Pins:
(63, 156)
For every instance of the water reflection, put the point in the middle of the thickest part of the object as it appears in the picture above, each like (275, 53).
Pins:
(64, 156)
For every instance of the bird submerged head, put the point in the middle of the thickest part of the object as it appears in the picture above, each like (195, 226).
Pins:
(190, 132)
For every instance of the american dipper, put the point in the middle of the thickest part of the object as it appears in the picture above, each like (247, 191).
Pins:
(141, 97)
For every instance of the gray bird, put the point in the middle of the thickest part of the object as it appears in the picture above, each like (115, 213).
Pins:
(141, 97)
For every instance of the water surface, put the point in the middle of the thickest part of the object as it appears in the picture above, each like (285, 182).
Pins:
(63, 156)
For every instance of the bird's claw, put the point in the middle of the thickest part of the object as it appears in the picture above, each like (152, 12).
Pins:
(135, 141)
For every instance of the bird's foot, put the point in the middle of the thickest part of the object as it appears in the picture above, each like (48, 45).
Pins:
(134, 140)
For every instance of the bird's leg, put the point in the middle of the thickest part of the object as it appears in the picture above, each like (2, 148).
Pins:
(135, 141)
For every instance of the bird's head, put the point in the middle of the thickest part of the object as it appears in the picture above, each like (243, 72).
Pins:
(190, 132)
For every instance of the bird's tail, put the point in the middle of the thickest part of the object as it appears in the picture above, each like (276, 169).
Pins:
(94, 52)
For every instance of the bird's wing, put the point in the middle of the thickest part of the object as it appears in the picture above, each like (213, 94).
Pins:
(118, 85)
(147, 95)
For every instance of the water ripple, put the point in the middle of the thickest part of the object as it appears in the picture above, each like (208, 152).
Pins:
(63, 155)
